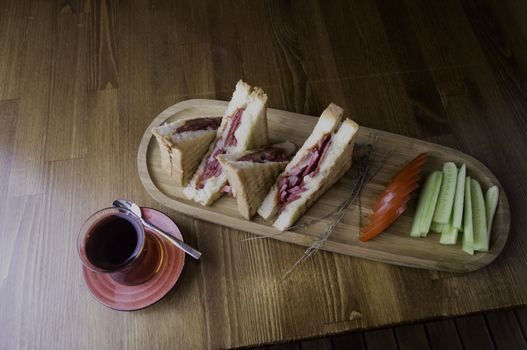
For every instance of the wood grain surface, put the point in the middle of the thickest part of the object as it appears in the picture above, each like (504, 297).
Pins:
(80, 81)
(390, 152)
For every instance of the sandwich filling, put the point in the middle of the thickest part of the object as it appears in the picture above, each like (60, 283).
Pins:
(212, 166)
(291, 185)
(200, 124)
(234, 124)
(270, 154)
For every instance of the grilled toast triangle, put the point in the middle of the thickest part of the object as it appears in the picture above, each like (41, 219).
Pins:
(181, 152)
(250, 181)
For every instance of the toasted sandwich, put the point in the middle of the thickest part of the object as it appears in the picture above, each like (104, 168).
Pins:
(252, 173)
(322, 161)
(183, 144)
(243, 127)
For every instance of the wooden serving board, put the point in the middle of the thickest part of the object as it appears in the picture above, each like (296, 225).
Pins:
(395, 246)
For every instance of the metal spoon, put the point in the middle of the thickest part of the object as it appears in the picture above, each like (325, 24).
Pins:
(134, 208)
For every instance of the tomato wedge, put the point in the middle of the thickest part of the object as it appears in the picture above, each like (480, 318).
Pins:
(417, 162)
(373, 229)
(393, 200)
(394, 195)
(387, 207)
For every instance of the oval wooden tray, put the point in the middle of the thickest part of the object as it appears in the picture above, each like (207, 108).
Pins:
(395, 246)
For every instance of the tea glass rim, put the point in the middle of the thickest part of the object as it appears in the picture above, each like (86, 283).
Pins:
(91, 222)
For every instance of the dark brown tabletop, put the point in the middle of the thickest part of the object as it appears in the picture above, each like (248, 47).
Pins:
(81, 80)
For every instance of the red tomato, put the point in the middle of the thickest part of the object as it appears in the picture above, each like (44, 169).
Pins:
(412, 167)
(387, 207)
(375, 228)
(393, 200)
(398, 193)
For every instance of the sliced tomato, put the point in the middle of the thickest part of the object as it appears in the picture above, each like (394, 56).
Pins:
(396, 191)
(381, 220)
(393, 200)
(381, 224)
(411, 173)
(402, 190)
(394, 195)
(402, 182)
(387, 207)
(410, 168)
(407, 174)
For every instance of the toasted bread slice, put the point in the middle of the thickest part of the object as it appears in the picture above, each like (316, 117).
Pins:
(332, 167)
(182, 146)
(244, 126)
(327, 123)
(252, 173)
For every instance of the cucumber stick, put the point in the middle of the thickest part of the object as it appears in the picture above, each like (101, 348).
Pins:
(467, 244)
(449, 234)
(426, 205)
(428, 213)
(459, 198)
(491, 203)
(479, 217)
(445, 200)
(436, 227)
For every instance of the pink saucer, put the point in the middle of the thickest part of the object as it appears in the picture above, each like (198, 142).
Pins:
(128, 298)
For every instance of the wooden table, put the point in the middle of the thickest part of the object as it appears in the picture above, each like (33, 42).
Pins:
(81, 80)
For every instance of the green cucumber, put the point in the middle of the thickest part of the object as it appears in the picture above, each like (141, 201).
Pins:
(436, 227)
(449, 234)
(479, 218)
(491, 203)
(426, 204)
(445, 200)
(457, 210)
(428, 213)
(467, 244)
